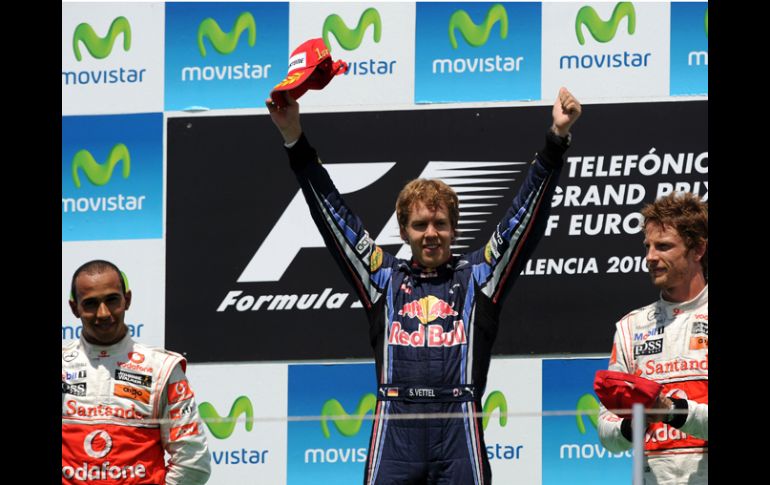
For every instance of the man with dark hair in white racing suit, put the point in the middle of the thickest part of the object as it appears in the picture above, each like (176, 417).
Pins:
(124, 404)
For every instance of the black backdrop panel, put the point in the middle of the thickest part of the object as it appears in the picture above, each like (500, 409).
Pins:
(229, 184)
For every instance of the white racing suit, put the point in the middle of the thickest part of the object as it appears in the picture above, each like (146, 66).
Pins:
(667, 343)
(108, 395)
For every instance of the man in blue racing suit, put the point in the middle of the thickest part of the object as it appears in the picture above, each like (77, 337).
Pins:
(432, 319)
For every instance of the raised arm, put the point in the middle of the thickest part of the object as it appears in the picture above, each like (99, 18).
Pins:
(365, 265)
(516, 236)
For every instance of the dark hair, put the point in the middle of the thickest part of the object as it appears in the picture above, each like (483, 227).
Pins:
(94, 267)
(686, 213)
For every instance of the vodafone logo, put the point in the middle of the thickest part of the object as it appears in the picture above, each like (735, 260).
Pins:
(136, 357)
(100, 440)
(179, 391)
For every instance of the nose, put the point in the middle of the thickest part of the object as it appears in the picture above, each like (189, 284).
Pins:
(652, 255)
(102, 312)
(431, 231)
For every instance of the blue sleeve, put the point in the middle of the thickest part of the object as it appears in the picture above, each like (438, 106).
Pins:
(364, 264)
(496, 265)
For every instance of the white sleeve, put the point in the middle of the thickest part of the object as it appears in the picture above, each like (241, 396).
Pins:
(697, 423)
(610, 425)
(183, 434)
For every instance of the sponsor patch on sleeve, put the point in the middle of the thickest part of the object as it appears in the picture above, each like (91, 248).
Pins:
(179, 391)
(180, 413)
(181, 431)
(376, 260)
(363, 243)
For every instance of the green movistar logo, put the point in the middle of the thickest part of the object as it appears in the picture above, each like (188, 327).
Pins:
(100, 174)
(222, 42)
(706, 21)
(495, 400)
(350, 39)
(477, 35)
(223, 429)
(100, 47)
(346, 424)
(587, 406)
(600, 30)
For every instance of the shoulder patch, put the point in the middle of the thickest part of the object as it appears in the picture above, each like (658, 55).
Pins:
(375, 262)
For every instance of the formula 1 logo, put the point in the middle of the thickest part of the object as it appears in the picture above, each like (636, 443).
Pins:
(99, 174)
(600, 30)
(97, 444)
(350, 39)
(101, 47)
(495, 401)
(347, 425)
(587, 406)
(223, 42)
(222, 427)
(469, 179)
(477, 35)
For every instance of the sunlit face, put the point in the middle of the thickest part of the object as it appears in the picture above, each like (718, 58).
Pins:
(671, 265)
(101, 306)
(429, 234)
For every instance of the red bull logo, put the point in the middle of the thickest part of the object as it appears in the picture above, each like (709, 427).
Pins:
(427, 309)
(430, 335)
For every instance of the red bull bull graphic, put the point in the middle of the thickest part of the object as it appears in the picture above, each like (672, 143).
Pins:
(428, 309)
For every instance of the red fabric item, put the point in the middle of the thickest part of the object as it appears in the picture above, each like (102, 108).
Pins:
(310, 67)
(618, 390)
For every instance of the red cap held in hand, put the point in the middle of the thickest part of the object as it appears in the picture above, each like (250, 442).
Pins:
(618, 390)
(310, 67)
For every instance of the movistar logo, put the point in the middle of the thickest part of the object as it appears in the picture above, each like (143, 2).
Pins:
(477, 35)
(588, 406)
(223, 427)
(350, 39)
(222, 42)
(495, 400)
(600, 30)
(100, 174)
(706, 21)
(347, 425)
(101, 47)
